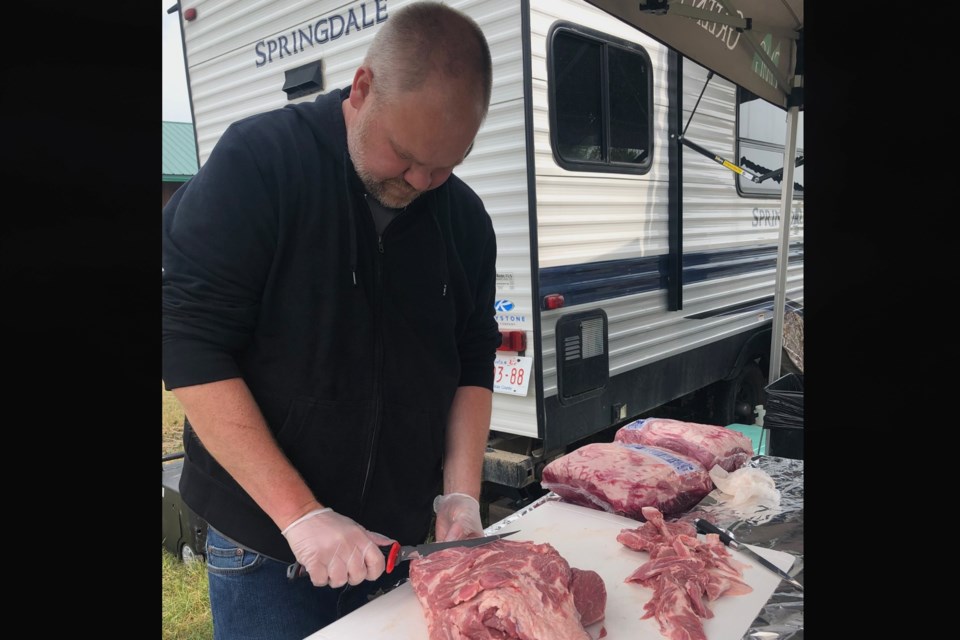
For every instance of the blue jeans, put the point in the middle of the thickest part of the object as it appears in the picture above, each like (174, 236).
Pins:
(252, 599)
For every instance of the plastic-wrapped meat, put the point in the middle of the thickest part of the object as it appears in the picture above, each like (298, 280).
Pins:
(706, 443)
(624, 478)
(683, 572)
(506, 589)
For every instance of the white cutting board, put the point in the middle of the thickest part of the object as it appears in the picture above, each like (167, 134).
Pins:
(587, 539)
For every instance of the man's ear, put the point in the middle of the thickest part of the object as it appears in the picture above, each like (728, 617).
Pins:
(360, 89)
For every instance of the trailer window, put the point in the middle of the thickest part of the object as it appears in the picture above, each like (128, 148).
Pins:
(600, 102)
(761, 133)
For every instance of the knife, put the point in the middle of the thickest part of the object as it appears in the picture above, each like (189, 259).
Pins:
(394, 553)
(727, 538)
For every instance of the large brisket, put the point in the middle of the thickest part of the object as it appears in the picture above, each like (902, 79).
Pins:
(506, 589)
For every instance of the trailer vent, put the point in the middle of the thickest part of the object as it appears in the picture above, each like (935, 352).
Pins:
(583, 363)
(303, 80)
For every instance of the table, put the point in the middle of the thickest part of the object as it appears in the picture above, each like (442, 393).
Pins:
(397, 613)
(780, 529)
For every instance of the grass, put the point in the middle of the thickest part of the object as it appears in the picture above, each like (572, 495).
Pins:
(186, 602)
(186, 605)
(172, 423)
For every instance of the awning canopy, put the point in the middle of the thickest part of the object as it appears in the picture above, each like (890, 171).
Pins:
(756, 44)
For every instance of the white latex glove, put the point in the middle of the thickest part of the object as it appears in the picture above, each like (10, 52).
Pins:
(458, 517)
(334, 549)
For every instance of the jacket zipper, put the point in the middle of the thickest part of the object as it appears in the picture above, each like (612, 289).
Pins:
(378, 375)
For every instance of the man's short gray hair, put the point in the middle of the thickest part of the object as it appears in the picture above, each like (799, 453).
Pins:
(425, 40)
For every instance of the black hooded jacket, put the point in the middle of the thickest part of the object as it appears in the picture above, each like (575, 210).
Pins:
(353, 345)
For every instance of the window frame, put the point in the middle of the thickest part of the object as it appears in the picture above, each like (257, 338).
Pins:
(606, 41)
(773, 146)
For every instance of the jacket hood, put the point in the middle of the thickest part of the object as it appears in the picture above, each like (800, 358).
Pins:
(335, 138)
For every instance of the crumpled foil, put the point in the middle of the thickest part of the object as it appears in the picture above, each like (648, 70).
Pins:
(779, 528)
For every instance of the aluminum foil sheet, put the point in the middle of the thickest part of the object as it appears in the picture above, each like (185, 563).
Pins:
(779, 528)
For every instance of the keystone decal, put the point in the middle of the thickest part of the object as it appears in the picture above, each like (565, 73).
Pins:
(511, 320)
(505, 318)
(324, 30)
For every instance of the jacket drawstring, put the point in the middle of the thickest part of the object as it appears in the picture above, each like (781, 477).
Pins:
(352, 218)
(444, 266)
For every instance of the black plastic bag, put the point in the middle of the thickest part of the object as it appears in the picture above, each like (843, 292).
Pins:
(784, 416)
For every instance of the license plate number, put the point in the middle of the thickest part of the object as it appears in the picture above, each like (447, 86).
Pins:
(511, 374)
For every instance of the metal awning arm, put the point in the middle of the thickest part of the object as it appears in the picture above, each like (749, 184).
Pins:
(726, 163)
(776, 173)
(693, 145)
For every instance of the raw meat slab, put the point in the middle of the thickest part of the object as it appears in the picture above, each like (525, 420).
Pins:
(587, 539)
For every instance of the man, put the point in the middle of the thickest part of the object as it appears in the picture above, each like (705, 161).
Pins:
(328, 327)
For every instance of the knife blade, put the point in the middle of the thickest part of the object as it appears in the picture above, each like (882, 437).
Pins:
(395, 553)
(727, 538)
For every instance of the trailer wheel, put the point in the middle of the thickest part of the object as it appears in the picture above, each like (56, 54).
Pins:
(737, 398)
(188, 555)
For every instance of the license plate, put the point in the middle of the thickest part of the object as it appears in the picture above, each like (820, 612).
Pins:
(511, 374)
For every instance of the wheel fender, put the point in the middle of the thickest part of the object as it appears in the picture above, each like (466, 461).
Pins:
(757, 346)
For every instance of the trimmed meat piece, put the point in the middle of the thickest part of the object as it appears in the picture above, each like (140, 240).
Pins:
(506, 589)
(589, 595)
(654, 532)
(625, 478)
(674, 613)
(706, 443)
(684, 573)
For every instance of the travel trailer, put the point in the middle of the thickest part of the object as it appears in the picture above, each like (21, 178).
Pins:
(635, 197)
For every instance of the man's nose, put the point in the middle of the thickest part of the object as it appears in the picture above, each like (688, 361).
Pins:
(418, 177)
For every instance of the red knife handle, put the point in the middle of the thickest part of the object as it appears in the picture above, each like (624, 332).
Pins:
(391, 552)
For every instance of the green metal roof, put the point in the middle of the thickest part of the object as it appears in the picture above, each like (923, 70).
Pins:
(179, 152)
